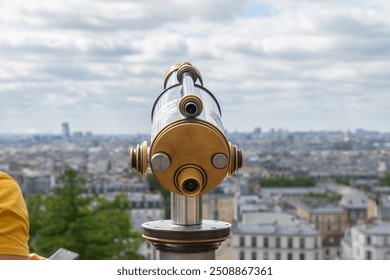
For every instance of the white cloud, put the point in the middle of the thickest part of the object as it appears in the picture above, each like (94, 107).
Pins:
(293, 64)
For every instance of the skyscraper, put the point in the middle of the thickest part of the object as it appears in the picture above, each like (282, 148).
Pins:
(65, 131)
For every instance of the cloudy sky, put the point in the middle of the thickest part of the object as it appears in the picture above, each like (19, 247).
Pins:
(99, 65)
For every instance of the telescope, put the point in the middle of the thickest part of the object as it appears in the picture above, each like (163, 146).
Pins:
(189, 155)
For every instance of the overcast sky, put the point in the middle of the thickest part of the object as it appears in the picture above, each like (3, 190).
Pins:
(99, 65)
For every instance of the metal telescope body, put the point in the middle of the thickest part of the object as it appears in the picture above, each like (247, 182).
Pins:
(189, 155)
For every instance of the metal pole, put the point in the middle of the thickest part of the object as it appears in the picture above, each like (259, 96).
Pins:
(186, 236)
(185, 211)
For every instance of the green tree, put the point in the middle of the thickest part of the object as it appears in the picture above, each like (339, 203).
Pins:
(324, 196)
(35, 213)
(385, 181)
(343, 181)
(90, 225)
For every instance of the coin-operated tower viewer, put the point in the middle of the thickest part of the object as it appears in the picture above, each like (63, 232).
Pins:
(189, 155)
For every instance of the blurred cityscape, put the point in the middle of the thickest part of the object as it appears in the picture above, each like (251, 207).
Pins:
(344, 214)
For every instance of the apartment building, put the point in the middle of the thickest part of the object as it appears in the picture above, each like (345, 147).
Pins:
(367, 242)
(330, 219)
(275, 236)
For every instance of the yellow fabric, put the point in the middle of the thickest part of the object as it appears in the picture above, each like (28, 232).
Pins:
(14, 223)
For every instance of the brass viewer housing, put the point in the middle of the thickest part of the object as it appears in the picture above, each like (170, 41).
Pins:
(189, 152)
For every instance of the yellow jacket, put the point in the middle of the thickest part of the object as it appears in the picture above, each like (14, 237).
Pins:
(14, 223)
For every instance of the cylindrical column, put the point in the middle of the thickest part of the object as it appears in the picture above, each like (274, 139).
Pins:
(185, 210)
(188, 83)
(186, 242)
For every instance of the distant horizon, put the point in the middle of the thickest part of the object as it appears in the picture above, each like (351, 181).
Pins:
(227, 131)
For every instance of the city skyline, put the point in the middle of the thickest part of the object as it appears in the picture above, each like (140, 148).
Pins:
(300, 66)
(255, 130)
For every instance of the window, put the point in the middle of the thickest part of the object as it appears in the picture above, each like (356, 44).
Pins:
(254, 256)
(278, 256)
(301, 243)
(353, 216)
(368, 255)
(302, 256)
(265, 242)
(368, 240)
(254, 241)
(289, 256)
(242, 241)
(290, 242)
(266, 255)
(277, 242)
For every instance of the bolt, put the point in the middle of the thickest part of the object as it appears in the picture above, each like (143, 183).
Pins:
(160, 162)
(220, 160)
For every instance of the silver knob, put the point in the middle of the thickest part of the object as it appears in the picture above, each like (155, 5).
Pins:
(160, 162)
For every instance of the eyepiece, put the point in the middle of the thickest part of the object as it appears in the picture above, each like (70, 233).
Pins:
(190, 180)
(139, 158)
(190, 185)
(190, 106)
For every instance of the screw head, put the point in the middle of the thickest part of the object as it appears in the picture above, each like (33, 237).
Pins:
(160, 162)
(220, 160)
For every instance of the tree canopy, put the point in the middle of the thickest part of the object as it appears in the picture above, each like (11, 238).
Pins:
(90, 225)
(385, 181)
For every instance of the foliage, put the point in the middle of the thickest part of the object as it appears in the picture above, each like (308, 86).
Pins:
(35, 213)
(287, 182)
(342, 181)
(156, 186)
(385, 181)
(324, 196)
(90, 225)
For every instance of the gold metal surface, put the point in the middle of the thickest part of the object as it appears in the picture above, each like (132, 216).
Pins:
(192, 155)
(190, 173)
(180, 241)
(170, 71)
(190, 142)
(190, 98)
(236, 159)
(139, 158)
(180, 67)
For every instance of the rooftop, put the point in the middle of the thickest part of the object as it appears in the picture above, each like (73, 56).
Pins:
(269, 223)
(316, 206)
(377, 228)
(354, 201)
